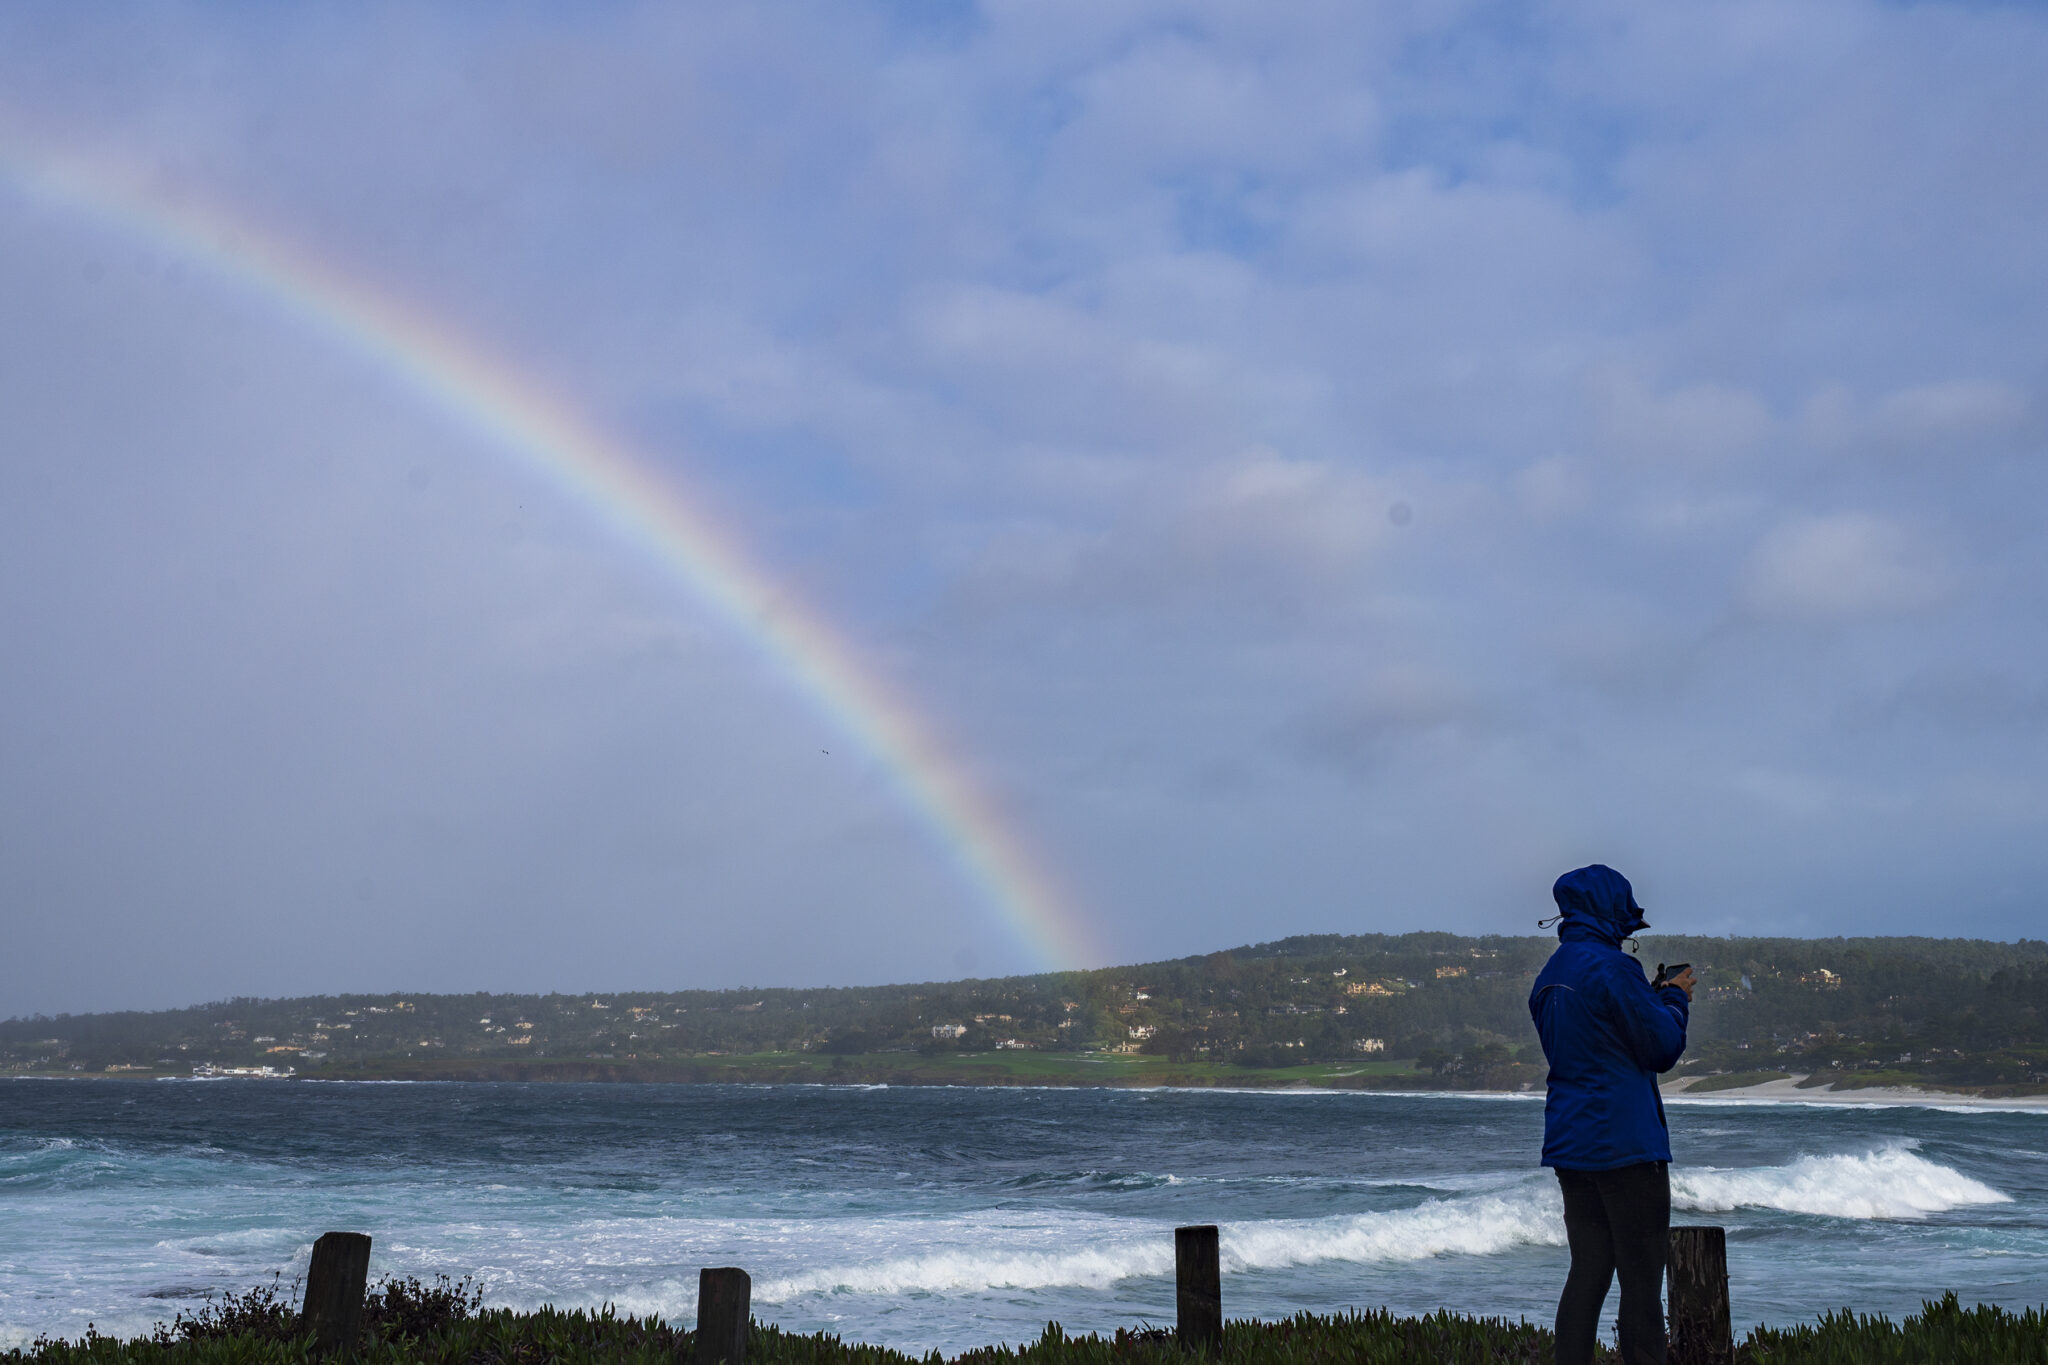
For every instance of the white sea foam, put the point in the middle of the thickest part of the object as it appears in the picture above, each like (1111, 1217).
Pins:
(965, 1270)
(1480, 1226)
(1097, 1180)
(1468, 1227)
(1892, 1182)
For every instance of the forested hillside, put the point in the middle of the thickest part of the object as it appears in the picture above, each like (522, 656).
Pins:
(1413, 1009)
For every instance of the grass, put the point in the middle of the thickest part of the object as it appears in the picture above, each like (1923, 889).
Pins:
(408, 1323)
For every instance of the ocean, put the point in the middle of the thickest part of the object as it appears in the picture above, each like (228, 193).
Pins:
(947, 1218)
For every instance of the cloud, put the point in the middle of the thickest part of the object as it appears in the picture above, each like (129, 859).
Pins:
(1956, 699)
(1273, 510)
(1245, 541)
(1392, 713)
(1840, 567)
(1693, 423)
(1808, 797)
(1073, 362)
(1062, 370)
(1949, 417)
(1957, 409)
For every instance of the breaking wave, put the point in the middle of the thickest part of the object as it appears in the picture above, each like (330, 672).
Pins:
(1894, 1182)
(1891, 1183)
(1466, 1227)
(52, 1164)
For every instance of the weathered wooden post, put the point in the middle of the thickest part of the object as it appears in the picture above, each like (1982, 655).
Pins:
(1701, 1333)
(1198, 1287)
(725, 1300)
(334, 1291)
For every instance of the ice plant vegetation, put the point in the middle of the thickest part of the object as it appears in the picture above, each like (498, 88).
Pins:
(407, 1322)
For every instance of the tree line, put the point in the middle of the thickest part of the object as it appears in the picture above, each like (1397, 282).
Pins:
(1449, 1008)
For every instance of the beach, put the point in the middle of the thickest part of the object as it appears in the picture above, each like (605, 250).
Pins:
(1791, 1090)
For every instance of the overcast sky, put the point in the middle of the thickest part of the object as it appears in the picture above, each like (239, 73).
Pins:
(1319, 467)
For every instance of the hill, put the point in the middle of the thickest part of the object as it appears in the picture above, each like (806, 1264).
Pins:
(1427, 1010)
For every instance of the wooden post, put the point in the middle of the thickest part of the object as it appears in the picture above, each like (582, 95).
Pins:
(724, 1304)
(1701, 1333)
(334, 1291)
(1198, 1287)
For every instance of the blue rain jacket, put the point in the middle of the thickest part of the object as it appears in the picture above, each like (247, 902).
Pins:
(1605, 1032)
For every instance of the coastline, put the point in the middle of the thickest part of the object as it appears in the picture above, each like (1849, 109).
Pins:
(1789, 1091)
(1785, 1090)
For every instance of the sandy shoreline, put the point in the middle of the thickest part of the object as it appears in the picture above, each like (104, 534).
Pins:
(1788, 1092)
(1785, 1091)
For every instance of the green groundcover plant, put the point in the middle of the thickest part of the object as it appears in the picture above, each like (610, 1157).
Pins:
(407, 1322)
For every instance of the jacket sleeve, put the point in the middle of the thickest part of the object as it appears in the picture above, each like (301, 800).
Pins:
(1652, 1022)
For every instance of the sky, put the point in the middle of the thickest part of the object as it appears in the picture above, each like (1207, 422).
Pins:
(1303, 468)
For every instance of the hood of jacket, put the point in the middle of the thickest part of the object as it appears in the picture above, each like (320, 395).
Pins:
(1596, 904)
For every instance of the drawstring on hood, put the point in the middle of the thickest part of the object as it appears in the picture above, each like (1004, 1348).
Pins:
(1596, 903)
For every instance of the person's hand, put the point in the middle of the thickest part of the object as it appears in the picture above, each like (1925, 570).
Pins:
(1685, 981)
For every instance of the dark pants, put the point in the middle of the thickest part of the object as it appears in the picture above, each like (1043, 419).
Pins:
(1616, 1221)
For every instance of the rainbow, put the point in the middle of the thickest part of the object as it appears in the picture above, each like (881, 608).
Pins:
(515, 416)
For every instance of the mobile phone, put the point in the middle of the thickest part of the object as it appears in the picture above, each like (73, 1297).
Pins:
(1664, 973)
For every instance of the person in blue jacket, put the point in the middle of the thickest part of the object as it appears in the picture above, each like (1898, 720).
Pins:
(1607, 1032)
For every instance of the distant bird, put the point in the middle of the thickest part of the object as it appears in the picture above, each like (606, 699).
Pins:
(825, 751)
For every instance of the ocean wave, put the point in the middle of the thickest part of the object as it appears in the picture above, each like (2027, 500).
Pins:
(291, 1244)
(1466, 1227)
(1089, 1181)
(968, 1271)
(41, 1164)
(1893, 1182)
(1482, 1226)
(16, 1147)
(28, 1164)
(1313, 1092)
(1092, 1180)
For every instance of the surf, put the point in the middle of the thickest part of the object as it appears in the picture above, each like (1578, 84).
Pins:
(1893, 1182)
